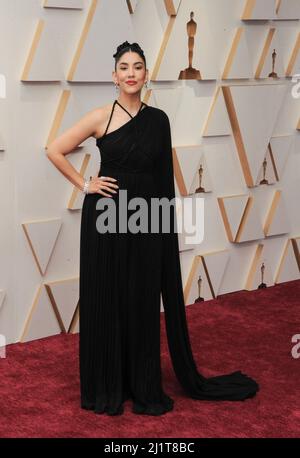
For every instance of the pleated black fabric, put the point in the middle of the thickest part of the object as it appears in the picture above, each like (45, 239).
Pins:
(121, 278)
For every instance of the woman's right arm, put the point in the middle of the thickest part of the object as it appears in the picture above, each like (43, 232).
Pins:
(68, 141)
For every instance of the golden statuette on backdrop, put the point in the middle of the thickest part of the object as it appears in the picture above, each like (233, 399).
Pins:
(273, 74)
(264, 180)
(199, 298)
(262, 271)
(200, 172)
(190, 73)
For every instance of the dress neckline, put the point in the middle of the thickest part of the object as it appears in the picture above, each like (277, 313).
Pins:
(126, 123)
(142, 103)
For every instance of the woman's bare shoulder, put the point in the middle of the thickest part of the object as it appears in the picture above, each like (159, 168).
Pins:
(101, 115)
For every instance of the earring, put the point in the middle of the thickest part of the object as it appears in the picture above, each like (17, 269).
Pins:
(146, 84)
(117, 87)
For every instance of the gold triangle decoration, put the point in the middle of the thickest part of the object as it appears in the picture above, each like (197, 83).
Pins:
(198, 267)
(271, 174)
(278, 4)
(64, 4)
(76, 199)
(64, 296)
(239, 50)
(74, 326)
(289, 264)
(237, 135)
(131, 4)
(253, 267)
(187, 162)
(248, 10)
(296, 247)
(239, 217)
(293, 58)
(67, 110)
(2, 297)
(42, 63)
(36, 39)
(277, 155)
(217, 122)
(250, 227)
(259, 10)
(233, 214)
(62, 106)
(254, 277)
(265, 52)
(41, 320)
(211, 268)
(164, 43)
(288, 9)
(276, 221)
(172, 6)
(41, 236)
(84, 34)
(251, 148)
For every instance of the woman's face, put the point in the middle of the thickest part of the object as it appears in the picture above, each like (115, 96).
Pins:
(130, 67)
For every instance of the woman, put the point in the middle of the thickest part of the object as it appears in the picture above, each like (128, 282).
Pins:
(122, 273)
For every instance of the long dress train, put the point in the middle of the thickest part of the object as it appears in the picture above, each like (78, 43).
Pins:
(122, 275)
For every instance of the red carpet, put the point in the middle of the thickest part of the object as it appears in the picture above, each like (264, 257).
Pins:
(248, 331)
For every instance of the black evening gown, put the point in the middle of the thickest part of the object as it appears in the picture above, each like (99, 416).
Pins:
(122, 275)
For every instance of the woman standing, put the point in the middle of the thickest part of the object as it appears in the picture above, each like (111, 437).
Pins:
(123, 273)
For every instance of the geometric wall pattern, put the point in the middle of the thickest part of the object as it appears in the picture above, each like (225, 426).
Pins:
(187, 162)
(277, 221)
(276, 157)
(263, 105)
(41, 320)
(289, 266)
(54, 310)
(64, 296)
(67, 109)
(2, 297)
(41, 236)
(234, 128)
(72, 4)
(2, 147)
(205, 277)
(217, 123)
(271, 9)
(259, 273)
(76, 198)
(241, 218)
(43, 51)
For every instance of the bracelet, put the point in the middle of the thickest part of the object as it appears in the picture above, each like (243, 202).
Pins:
(86, 186)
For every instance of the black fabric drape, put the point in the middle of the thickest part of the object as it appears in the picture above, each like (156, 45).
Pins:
(234, 386)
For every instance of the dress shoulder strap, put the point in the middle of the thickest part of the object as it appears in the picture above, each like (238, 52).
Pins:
(111, 113)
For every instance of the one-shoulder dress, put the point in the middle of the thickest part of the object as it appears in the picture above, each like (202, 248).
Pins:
(124, 274)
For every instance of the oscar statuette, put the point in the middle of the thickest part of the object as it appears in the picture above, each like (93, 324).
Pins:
(200, 172)
(273, 74)
(199, 298)
(190, 73)
(262, 270)
(264, 180)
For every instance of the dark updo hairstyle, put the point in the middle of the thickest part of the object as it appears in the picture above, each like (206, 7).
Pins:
(125, 47)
